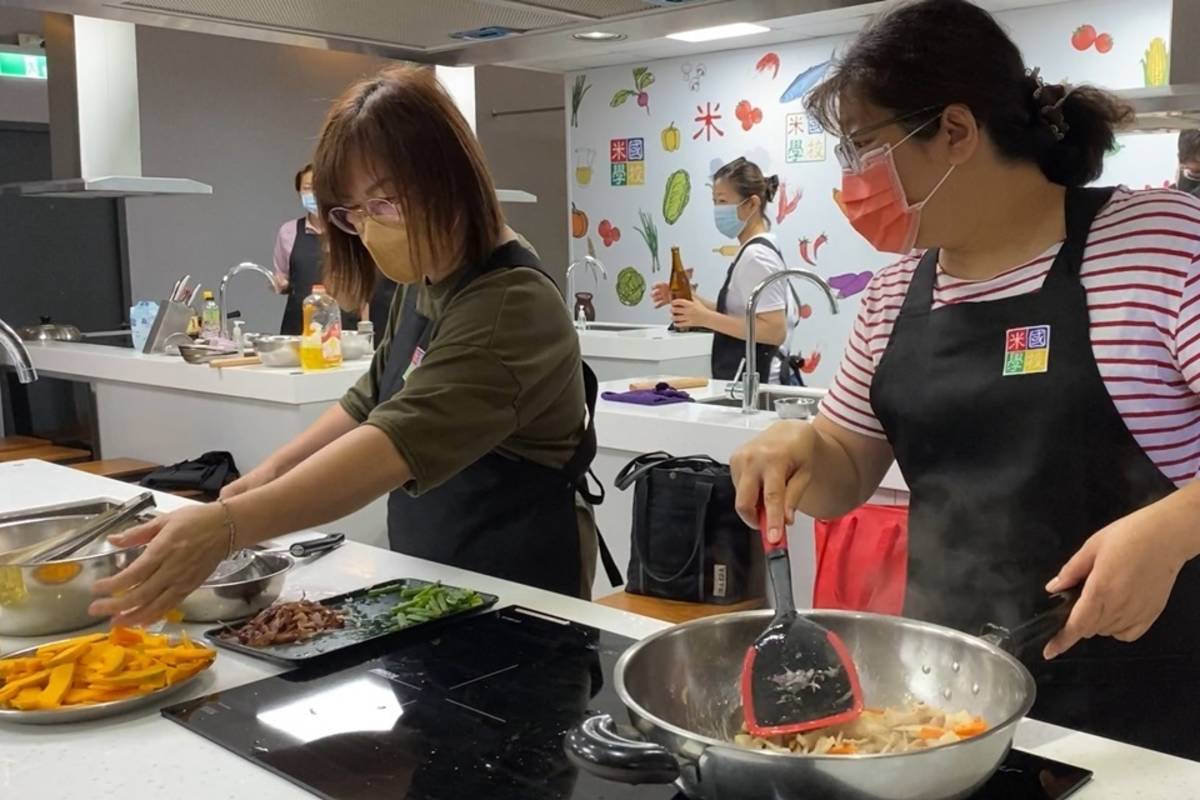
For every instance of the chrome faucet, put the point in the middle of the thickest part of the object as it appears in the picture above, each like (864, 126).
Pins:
(749, 385)
(18, 354)
(245, 266)
(593, 264)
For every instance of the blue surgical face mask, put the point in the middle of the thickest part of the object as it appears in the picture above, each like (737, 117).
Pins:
(725, 217)
(309, 202)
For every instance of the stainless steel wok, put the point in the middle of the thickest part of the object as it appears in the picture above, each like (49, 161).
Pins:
(681, 689)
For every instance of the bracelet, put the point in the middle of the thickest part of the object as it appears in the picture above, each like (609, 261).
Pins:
(230, 526)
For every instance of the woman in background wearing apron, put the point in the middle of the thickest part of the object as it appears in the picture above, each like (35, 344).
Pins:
(741, 194)
(1033, 367)
(474, 416)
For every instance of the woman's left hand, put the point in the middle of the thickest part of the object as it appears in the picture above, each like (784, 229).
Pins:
(183, 548)
(1128, 570)
(689, 314)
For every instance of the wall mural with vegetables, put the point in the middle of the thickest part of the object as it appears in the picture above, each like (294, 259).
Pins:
(645, 139)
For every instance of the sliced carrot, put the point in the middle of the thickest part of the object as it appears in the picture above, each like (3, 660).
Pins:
(125, 636)
(971, 729)
(843, 749)
(929, 732)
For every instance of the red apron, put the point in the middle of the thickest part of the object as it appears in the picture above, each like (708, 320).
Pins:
(862, 560)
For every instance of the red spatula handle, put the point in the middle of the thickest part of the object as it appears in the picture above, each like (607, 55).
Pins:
(769, 546)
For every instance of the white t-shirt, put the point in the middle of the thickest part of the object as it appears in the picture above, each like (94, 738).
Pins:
(756, 263)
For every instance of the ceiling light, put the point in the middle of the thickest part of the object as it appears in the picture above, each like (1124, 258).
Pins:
(598, 36)
(718, 32)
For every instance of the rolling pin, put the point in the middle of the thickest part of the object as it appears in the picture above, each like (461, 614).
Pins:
(235, 361)
(675, 383)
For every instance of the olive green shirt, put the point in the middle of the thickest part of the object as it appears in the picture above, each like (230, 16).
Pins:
(502, 372)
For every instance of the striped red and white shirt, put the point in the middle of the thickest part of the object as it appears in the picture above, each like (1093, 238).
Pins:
(1141, 271)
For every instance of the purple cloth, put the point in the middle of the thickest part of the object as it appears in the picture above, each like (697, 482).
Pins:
(660, 395)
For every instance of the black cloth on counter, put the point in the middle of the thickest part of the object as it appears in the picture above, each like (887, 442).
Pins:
(208, 473)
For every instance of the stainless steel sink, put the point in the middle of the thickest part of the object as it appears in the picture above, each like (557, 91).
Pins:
(787, 403)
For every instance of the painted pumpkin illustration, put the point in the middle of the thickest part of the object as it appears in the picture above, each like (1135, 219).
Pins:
(579, 222)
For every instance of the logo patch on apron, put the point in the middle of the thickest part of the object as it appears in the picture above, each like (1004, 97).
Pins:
(1027, 350)
(417, 357)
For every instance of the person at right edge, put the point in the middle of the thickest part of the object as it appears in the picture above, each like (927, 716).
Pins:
(1033, 366)
(1189, 163)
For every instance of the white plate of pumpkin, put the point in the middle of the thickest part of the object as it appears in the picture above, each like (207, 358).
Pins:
(97, 675)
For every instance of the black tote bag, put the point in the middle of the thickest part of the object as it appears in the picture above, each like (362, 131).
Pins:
(687, 541)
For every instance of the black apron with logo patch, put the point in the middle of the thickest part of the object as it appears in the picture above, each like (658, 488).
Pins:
(728, 351)
(304, 270)
(1015, 454)
(503, 515)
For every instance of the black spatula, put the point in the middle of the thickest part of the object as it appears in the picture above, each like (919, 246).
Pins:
(798, 675)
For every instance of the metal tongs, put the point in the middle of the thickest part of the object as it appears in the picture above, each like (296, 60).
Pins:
(67, 544)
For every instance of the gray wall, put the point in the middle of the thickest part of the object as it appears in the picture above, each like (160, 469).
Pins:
(21, 100)
(528, 151)
(241, 116)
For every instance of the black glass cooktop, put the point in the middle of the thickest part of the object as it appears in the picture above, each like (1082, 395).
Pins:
(477, 711)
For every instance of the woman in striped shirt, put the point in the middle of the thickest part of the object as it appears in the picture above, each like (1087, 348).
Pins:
(1034, 369)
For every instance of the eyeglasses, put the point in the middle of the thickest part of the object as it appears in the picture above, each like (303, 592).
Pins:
(847, 153)
(380, 209)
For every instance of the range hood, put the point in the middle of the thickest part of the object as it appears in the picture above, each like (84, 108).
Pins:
(1175, 106)
(95, 130)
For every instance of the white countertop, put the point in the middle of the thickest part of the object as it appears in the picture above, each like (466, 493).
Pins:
(642, 343)
(142, 756)
(685, 428)
(92, 362)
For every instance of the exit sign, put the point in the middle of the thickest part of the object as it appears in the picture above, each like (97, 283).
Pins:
(22, 65)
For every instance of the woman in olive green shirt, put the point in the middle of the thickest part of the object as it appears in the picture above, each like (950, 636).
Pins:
(473, 415)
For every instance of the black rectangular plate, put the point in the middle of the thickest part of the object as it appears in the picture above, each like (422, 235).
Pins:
(339, 640)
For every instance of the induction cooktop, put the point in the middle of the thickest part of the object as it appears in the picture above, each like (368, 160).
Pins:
(476, 710)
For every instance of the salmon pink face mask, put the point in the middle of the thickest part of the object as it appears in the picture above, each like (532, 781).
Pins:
(873, 198)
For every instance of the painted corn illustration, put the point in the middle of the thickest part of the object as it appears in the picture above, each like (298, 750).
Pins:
(1156, 66)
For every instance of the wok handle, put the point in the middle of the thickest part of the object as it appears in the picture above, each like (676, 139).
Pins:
(595, 745)
(1031, 636)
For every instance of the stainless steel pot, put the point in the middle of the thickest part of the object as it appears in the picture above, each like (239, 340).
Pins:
(681, 689)
(48, 331)
(41, 599)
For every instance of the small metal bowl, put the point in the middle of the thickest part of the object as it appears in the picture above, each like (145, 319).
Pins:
(355, 345)
(796, 407)
(203, 353)
(278, 351)
(226, 602)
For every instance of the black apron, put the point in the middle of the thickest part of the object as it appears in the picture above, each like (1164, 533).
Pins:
(728, 351)
(1011, 473)
(503, 516)
(304, 271)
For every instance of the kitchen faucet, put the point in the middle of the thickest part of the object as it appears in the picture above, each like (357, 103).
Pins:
(592, 263)
(18, 354)
(749, 385)
(245, 266)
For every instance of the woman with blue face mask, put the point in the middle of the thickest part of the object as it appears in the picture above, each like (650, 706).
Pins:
(297, 264)
(740, 194)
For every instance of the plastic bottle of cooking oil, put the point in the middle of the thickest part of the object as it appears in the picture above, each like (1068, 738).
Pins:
(321, 338)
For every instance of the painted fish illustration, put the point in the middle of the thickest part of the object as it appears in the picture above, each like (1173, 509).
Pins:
(805, 81)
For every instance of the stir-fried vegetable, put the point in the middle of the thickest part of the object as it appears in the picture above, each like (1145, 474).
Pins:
(425, 603)
(889, 730)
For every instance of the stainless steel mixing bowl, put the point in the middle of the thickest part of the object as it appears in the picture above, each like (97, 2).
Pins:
(41, 599)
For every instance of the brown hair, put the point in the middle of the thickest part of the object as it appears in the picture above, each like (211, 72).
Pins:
(748, 181)
(403, 126)
(307, 168)
(923, 55)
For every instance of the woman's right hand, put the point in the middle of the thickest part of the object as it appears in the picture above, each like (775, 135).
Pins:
(774, 467)
(259, 476)
(660, 294)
